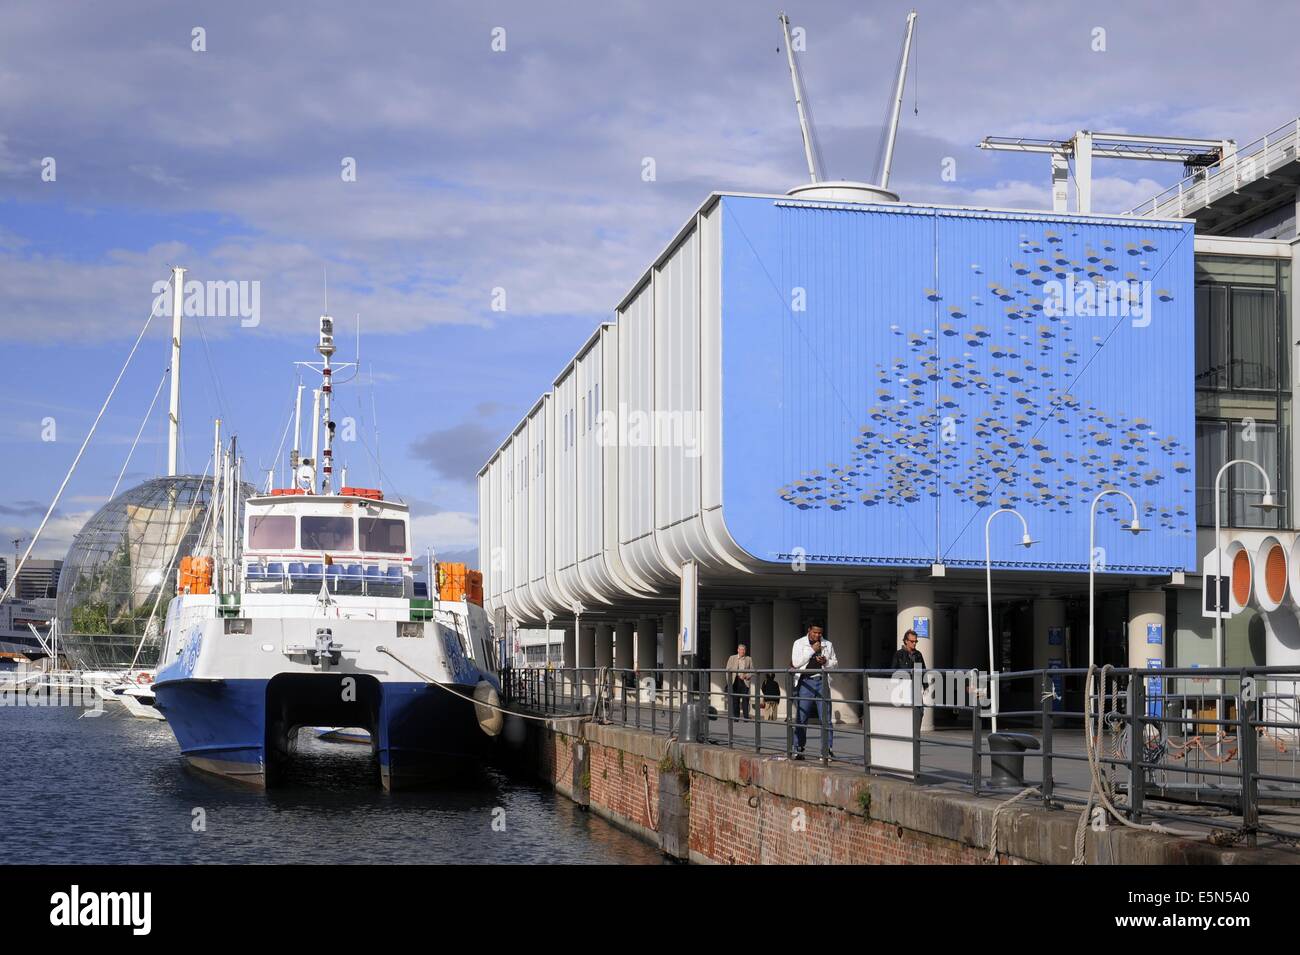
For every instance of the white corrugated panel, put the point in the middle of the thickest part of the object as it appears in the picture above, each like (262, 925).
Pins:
(675, 424)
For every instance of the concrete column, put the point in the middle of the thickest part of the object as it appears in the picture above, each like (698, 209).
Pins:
(570, 651)
(787, 627)
(668, 648)
(604, 644)
(760, 637)
(569, 658)
(647, 630)
(842, 613)
(943, 642)
(624, 639)
(916, 612)
(1049, 626)
(1146, 622)
(587, 646)
(722, 644)
(586, 658)
(971, 652)
(882, 639)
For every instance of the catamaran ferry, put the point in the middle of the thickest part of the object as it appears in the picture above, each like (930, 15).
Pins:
(304, 612)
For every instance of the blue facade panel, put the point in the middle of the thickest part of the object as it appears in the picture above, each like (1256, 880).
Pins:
(892, 375)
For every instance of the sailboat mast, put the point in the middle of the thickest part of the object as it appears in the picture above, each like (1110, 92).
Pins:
(174, 413)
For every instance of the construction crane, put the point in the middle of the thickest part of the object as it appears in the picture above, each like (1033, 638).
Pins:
(1086, 145)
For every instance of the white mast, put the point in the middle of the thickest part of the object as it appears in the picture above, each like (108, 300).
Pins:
(174, 415)
(326, 349)
(798, 100)
(892, 132)
(297, 433)
(315, 436)
(216, 481)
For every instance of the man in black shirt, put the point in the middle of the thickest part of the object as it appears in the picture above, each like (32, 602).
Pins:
(907, 656)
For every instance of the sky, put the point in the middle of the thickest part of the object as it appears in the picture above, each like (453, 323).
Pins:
(475, 186)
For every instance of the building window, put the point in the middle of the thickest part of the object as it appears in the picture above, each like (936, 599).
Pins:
(1243, 399)
(1218, 442)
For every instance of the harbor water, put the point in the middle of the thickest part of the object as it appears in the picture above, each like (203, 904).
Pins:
(112, 789)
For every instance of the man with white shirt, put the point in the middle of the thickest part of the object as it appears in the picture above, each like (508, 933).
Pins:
(811, 654)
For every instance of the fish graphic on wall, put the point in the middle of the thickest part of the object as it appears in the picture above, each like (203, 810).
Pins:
(994, 421)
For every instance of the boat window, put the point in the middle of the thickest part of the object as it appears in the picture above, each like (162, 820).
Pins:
(381, 535)
(270, 532)
(326, 533)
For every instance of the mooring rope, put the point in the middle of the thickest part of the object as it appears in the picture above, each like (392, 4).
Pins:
(493, 706)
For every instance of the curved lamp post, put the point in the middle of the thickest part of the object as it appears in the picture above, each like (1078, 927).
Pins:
(1266, 503)
(1025, 541)
(1135, 527)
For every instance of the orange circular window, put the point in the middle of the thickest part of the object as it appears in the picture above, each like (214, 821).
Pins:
(1275, 573)
(1241, 578)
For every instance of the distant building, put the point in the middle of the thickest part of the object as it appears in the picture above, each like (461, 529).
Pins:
(38, 580)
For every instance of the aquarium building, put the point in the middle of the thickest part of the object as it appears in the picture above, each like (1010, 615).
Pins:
(817, 401)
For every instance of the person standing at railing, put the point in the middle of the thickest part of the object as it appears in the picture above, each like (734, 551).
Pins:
(907, 656)
(740, 676)
(771, 690)
(812, 653)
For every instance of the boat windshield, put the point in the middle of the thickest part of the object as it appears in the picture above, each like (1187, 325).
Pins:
(382, 535)
(326, 533)
(271, 532)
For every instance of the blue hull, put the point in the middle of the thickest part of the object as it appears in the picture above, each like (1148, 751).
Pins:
(242, 729)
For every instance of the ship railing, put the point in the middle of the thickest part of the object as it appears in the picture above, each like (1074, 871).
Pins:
(1214, 749)
(342, 579)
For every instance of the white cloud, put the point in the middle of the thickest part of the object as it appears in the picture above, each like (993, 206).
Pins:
(444, 530)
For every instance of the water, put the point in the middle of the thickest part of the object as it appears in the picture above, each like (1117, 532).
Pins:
(113, 789)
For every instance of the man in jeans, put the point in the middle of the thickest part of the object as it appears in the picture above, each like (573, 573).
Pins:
(811, 655)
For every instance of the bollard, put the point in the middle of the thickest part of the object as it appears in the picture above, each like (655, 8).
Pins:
(1007, 759)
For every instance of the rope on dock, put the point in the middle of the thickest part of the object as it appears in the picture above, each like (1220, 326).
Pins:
(1101, 790)
(997, 813)
(500, 709)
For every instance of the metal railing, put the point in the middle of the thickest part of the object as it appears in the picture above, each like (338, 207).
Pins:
(1253, 161)
(1216, 748)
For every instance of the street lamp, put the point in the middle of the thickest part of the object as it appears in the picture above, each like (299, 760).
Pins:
(1025, 541)
(1134, 527)
(1266, 503)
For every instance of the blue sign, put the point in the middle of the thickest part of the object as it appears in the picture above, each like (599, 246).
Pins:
(1155, 633)
(922, 627)
(1056, 636)
(1155, 688)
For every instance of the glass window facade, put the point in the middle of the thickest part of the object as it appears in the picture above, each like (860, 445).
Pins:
(1243, 398)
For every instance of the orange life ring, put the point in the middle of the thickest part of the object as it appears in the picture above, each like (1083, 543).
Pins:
(144, 678)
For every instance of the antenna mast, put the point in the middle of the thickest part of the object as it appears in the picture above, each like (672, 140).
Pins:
(892, 132)
(798, 100)
(174, 414)
(326, 349)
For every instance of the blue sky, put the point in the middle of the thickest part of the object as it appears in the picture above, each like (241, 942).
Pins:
(477, 169)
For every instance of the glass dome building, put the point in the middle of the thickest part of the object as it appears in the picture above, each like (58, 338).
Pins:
(120, 562)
